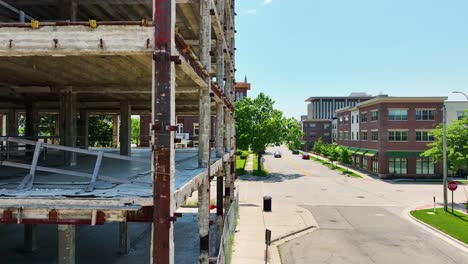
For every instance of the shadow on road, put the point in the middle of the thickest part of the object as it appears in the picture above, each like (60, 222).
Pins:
(274, 177)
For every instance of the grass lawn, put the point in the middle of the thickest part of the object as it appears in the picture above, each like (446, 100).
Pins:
(462, 181)
(241, 160)
(255, 172)
(455, 225)
(329, 165)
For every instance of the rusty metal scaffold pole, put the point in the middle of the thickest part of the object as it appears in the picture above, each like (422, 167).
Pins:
(163, 116)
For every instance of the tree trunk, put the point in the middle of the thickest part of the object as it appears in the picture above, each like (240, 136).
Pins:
(259, 160)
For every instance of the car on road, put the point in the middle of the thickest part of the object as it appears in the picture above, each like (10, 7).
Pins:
(277, 154)
(305, 156)
(295, 152)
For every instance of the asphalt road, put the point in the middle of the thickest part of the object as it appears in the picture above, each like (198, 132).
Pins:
(360, 220)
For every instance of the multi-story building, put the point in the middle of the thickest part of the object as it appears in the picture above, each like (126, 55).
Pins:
(386, 135)
(321, 112)
(455, 110)
(242, 89)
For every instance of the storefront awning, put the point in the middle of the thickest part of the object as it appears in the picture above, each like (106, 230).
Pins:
(353, 149)
(403, 154)
(371, 153)
(360, 152)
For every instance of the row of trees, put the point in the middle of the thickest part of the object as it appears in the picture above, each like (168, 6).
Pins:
(333, 152)
(258, 124)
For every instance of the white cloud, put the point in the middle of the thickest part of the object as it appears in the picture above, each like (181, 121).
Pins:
(251, 12)
(267, 2)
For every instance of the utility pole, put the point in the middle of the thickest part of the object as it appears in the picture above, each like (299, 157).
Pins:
(444, 154)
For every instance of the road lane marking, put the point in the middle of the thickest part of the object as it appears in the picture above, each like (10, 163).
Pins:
(301, 170)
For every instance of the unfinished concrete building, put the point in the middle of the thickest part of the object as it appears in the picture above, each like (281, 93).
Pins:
(70, 59)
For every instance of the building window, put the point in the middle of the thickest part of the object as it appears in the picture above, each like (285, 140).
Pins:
(375, 115)
(460, 115)
(346, 119)
(346, 135)
(363, 117)
(326, 134)
(375, 164)
(340, 120)
(357, 119)
(364, 162)
(398, 114)
(397, 165)
(357, 135)
(397, 135)
(424, 136)
(352, 119)
(363, 135)
(326, 126)
(180, 128)
(340, 135)
(424, 166)
(375, 135)
(195, 129)
(312, 125)
(425, 114)
(352, 135)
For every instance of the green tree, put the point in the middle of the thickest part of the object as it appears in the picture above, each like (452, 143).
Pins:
(258, 124)
(317, 148)
(333, 154)
(457, 146)
(136, 130)
(292, 134)
(100, 130)
(345, 157)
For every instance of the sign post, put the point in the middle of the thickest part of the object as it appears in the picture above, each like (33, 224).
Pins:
(267, 243)
(452, 186)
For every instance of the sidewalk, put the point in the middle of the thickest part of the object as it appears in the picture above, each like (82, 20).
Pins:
(284, 220)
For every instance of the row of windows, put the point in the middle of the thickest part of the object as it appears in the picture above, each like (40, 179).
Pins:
(314, 125)
(400, 166)
(421, 136)
(393, 115)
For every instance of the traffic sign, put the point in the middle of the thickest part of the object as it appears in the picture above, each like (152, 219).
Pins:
(452, 185)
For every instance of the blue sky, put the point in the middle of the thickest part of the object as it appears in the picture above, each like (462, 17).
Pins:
(294, 49)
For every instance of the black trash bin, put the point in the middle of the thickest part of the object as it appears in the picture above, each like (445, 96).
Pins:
(267, 203)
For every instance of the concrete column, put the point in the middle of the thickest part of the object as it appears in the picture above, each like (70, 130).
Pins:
(220, 66)
(68, 122)
(115, 131)
(219, 208)
(220, 130)
(204, 134)
(30, 238)
(66, 244)
(227, 122)
(57, 129)
(124, 238)
(227, 186)
(12, 128)
(84, 129)
(32, 121)
(125, 137)
(2, 125)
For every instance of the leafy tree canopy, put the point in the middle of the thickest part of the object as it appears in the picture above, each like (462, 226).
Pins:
(292, 134)
(258, 124)
(457, 144)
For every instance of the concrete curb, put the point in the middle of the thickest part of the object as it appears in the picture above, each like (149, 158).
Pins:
(459, 244)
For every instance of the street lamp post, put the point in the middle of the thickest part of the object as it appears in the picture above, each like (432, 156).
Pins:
(461, 93)
(444, 154)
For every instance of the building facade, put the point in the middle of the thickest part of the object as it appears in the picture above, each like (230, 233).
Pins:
(386, 135)
(321, 113)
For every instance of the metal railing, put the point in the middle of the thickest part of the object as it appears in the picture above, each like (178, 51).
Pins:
(227, 238)
(21, 15)
(28, 180)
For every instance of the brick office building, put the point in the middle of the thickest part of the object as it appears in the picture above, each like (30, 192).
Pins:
(387, 135)
(321, 112)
